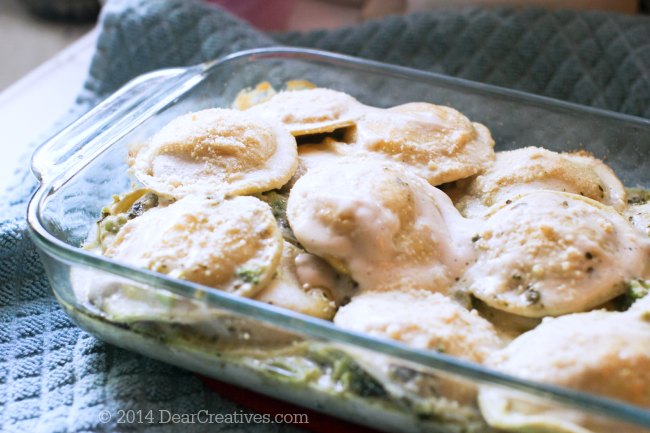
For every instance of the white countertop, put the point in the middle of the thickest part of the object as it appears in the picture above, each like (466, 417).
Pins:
(31, 107)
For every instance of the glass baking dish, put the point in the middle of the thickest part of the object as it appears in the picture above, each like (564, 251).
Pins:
(274, 351)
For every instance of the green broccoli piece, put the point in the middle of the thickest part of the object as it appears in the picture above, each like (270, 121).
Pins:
(278, 203)
(350, 375)
(249, 275)
(636, 289)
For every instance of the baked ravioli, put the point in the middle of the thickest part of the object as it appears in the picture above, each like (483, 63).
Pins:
(551, 253)
(438, 143)
(307, 284)
(216, 152)
(534, 168)
(602, 353)
(234, 245)
(310, 111)
(384, 226)
(423, 320)
(398, 222)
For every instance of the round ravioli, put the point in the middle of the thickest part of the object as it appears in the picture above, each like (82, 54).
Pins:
(381, 224)
(552, 253)
(533, 168)
(234, 245)
(217, 152)
(602, 353)
(438, 142)
(290, 290)
(311, 111)
(423, 320)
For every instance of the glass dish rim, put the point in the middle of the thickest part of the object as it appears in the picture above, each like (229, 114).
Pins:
(319, 328)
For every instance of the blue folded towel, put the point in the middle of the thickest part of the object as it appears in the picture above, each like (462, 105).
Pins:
(56, 378)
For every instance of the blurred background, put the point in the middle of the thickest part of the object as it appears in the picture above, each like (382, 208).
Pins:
(27, 39)
(32, 31)
(47, 47)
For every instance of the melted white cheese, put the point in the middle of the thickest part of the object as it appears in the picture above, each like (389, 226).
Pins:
(385, 226)
(639, 216)
(289, 290)
(603, 353)
(533, 168)
(552, 253)
(234, 245)
(436, 142)
(216, 152)
(310, 111)
(423, 320)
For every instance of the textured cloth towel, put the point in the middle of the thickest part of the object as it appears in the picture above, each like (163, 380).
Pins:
(56, 378)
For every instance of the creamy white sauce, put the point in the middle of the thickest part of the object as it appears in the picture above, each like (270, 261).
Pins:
(436, 142)
(552, 253)
(289, 291)
(602, 353)
(532, 169)
(216, 152)
(385, 226)
(312, 271)
(234, 245)
(311, 111)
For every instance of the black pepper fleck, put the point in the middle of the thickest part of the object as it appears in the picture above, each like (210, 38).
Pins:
(532, 296)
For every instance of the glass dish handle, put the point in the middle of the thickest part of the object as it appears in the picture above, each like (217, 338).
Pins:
(91, 134)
